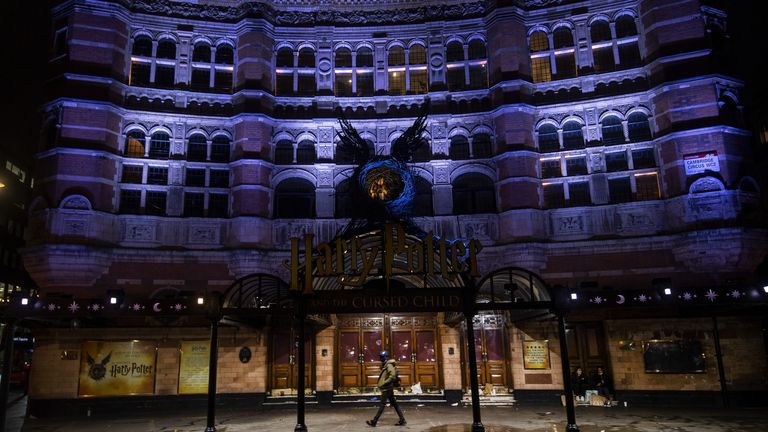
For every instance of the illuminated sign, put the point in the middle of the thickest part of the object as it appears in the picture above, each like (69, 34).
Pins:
(536, 354)
(117, 368)
(193, 370)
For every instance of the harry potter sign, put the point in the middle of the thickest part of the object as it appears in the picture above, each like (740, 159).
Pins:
(117, 368)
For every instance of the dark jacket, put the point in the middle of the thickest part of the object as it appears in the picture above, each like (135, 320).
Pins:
(387, 376)
(579, 383)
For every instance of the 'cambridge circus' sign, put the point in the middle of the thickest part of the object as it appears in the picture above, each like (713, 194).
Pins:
(428, 257)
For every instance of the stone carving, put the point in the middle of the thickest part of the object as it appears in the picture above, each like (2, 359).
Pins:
(326, 135)
(706, 184)
(140, 232)
(76, 202)
(441, 175)
(476, 230)
(75, 227)
(569, 225)
(203, 234)
(438, 131)
(325, 151)
(705, 207)
(597, 159)
(324, 178)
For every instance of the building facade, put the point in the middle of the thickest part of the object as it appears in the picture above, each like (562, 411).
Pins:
(593, 144)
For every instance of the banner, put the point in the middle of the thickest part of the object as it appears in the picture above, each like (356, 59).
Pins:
(117, 368)
(193, 371)
(536, 354)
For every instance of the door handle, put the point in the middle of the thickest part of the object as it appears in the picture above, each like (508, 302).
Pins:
(484, 356)
(361, 358)
(413, 358)
(292, 359)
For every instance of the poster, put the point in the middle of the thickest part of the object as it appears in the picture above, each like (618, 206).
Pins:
(701, 162)
(117, 368)
(536, 354)
(193, 371)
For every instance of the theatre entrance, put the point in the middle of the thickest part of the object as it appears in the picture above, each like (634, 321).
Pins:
(284, 370)
(490, 351)
(411, 340)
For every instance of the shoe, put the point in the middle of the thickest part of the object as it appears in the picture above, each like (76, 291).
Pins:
(370, 423)
(401, 423)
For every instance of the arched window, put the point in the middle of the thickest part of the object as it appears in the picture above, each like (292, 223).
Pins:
(201, 53)
(562, 37)
(305, 153)
(600, 31)
(539, 41)
(220, 148)
(343, 58)
(142, 46)
(454, 52)
(638, 126)
(417, 55)
(284, 57)
(134, 144)
(396, 56)
(159, 146)
(476, 49)
(197, 148)
(473, 194)
(166, 49)
(396, 76)
(459, 149)
(306, 58)
(613, 131)
(573, 138)
(284, 152)
(548, 139)
(294, 198)
(625, 26)
(225, 54)
(422, 203)
(364, 57)
(423, 153)
(481, 146)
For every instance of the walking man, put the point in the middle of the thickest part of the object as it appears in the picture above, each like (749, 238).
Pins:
(386, 384)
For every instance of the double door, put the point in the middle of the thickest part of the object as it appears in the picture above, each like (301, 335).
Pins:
(587, 347)
(490, 352)
(284, 376)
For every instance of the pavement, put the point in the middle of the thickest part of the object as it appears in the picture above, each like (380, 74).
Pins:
(425, 418)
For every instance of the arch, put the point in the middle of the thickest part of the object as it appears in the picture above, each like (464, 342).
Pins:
(307, 57)
(638, 126)
(612, 129)
(477, 49)
(600, 29)
(294, 199)
(454, 51)
(135, 140)
(538, 41)
(396, 55)
(197, 147)
(512, 285)
(473, 193)
(342, 57)
(225, 53)
(364, 56)
(394, 43)
(749, 185)
(284, 57)
(415, 42)
(166, 48)
(197, 131)
(625, 25)
(537, 28)
(562, 37)
(706, 184)
(201, 51)
(283, 135)
(160, 128)
(343, 206)
(573, 137)
(76, 202)
(473, 167)
(142, 45)
(221, 132)
(548, 136)
(256, 291)
(417, 54)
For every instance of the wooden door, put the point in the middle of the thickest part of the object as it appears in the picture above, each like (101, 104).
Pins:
(414, 347)
(586, 347)
(284, 363)
(360, 343)
(490, 352)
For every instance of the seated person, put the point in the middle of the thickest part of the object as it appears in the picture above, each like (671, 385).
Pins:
(579, 382)
(602, 382)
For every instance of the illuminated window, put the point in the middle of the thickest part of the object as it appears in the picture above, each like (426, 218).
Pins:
(225, 54)
(600, 31)
(417, 55)
(613, 131)
(396, 56)
(647, 186)
(573, 138)
(619, 190)
(639, 128)
(473, 194)
(397, 83)
(578, 194)
(554, 195)
(562, 37)
(548, 139)
(134, 144)
(294, 198)
(343, 84)
(419, 81)
(541, 69)
(539, 41)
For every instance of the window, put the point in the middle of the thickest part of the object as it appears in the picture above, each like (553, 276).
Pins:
(156, 203)
(566, 65)
(476, 50)
(284, 84)
(222, 80)
(573, 138)
(201, 79)
(647, 186)
(548, 139)
(157, 176)
(625, 26)
(364, 57)
(166, 49)
(579, 194)
(306, 58)
(459, 148)
(284, 152)
(194, 204)
(539, 41)
(643, 158)
(619, 190)
(639, 128)
(219, 179)
(220, 149)
(417, 55)
(473, 194)
(397, 82)
(218, 205)
(481, 146)
(478, 76)
(139, 74)
(541, 69)
(576, 166)
(613, 131)
(600, 31)
(562, 37)
(603, 59)
(201, 53)
(616, 162)
(159, 146)
(284, 57)
(396, 56)
(130, 201)
(550, 168)
(305, 153)
(134, 144)
(456, 79)
(454, 52)
(165, 76)
(343, 84)
(554, 195)
(225, 54)
(197, 148)
(343, 58)
(307, 85)
(419, 81)
(294, 198)
(142, 46)
(132, 173)
(422, 202)
(195, 177)
(365, 83)
(629, 54)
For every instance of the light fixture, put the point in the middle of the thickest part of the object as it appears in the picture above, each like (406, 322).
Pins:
(574, 296)
(667, 291)
(200, 300)
(113, 300)
(2, 185)
(24, 301)
(765, 288)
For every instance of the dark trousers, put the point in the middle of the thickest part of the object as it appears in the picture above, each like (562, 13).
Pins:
(388, 395)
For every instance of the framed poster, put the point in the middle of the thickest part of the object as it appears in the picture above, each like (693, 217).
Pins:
(193, 367)
(674, 356)
(110, 368)
(536, 354)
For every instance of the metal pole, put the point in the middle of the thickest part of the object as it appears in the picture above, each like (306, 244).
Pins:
(477, 424)
(7, 359)
(720, 368)
(212, 368)
(300, 426)
(567, 387)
